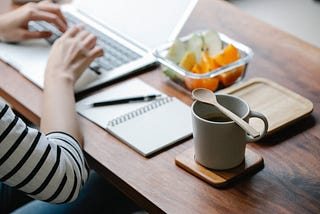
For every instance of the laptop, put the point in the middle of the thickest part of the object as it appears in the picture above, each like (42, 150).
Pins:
(129, 31)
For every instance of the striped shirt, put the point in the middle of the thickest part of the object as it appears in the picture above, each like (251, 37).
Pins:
(50, 167)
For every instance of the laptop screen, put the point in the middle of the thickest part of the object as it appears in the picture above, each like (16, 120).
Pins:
(149, 23)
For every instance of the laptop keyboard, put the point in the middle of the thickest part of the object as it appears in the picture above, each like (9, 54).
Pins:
(115, 54)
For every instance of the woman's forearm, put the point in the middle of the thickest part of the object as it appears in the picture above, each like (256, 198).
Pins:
(59, 112)
(70, 56)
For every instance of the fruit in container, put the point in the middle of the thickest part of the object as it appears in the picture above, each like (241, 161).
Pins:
(212, 42)
(176, 51)
(188, 61)
(229, 55)
(203, 53)
(206, 64)
(195, 45)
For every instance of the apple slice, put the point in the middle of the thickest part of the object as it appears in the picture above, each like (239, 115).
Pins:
(212, 43)
(176, 51)
(195, 45)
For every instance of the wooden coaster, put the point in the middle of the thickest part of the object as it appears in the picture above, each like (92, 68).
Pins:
(219, 178)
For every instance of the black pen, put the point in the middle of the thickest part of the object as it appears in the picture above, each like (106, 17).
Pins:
(126, 100)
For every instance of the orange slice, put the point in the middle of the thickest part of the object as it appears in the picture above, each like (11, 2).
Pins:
(207, 62)
(229, 55)
(188, 61)
(209, 83)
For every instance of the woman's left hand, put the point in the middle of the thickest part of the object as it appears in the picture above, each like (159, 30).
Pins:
(14, 24)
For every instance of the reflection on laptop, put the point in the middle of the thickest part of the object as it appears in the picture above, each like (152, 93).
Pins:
(127, 30)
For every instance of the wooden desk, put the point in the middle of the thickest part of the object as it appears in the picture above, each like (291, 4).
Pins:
(290, 180)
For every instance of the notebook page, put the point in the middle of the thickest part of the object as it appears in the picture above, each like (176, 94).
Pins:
(101, 115)
(154, 126)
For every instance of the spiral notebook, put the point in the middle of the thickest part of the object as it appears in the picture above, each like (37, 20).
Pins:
(147, 126)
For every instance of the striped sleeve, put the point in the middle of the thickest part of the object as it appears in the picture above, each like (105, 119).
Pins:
(50, 168)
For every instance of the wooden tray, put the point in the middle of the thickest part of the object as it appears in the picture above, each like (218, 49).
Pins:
(220, 178)
(280, 105)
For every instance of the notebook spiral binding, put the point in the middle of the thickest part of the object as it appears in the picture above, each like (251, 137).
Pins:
(142, 110)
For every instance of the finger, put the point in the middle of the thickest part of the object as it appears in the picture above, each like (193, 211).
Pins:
(88, 56)
(82, 35)
(72, 32)
(95, 52)
(49, 17)
(52, 8)
(89, 42)
(83, 62)
(36, 34)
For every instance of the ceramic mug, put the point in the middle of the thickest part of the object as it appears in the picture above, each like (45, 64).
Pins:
(219, 143)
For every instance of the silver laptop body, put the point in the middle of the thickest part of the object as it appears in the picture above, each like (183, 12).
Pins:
(127, 50)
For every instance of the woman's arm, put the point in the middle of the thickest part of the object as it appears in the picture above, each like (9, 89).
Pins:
(70, 56)
(51, 168)
(48, 166)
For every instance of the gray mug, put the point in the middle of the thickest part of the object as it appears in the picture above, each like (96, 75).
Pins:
(219, 143)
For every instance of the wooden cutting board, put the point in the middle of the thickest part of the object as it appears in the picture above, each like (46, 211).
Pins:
(280, 105)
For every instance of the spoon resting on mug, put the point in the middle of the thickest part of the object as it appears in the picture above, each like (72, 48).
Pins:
(209, 97)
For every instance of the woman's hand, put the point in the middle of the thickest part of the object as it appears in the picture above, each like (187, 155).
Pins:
(14, 24)
(71, 54)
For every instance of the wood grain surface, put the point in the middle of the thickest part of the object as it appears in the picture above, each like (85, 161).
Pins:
(281, 106)
(220, 178)
(290, 180)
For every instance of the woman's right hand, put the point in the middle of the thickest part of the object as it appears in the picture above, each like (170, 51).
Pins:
(71, 54)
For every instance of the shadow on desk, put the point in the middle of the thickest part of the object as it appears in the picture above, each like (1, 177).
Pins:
(288, 132)
(88, 92)
(170, 146)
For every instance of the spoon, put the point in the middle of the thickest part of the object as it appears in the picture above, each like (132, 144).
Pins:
(207, 96)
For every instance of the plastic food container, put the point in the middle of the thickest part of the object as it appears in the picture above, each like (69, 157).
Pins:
(234, 71)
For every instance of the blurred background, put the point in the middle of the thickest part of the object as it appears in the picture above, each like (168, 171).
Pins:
(298, 17)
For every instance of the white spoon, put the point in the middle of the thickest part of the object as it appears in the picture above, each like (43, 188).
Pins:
(207, 96)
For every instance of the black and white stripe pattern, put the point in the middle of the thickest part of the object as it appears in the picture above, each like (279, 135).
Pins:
(51, 168)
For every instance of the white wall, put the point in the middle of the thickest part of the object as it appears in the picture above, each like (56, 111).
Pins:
(298, 17)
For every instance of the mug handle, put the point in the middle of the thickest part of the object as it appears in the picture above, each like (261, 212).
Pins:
(265, 129)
